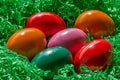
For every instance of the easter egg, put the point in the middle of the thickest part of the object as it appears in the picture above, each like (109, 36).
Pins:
(70, 38)
(48, 22)
(95, 22)
(27, 42)
(95, 55)
(50, 58)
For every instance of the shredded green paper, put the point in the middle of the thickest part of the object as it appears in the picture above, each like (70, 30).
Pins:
(13, 14)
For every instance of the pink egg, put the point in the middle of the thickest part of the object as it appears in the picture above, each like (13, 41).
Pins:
(70, 38)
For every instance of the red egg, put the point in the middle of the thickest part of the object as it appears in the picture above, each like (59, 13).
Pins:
(94, 55)
(70, 38)
(48, 22)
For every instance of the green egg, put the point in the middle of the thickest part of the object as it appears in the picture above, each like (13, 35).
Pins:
(51, 58)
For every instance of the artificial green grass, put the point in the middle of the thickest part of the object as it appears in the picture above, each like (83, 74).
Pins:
(13, 14)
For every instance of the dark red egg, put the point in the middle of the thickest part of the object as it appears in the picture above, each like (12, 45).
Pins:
(95, 55)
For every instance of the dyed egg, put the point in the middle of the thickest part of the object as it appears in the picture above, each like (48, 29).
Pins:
(28, 42)
(94, 55)
(95, 22)
(48, 22)
(50, 58)
(70, 38)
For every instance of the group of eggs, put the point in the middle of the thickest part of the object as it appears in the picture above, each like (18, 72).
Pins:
(65, 45)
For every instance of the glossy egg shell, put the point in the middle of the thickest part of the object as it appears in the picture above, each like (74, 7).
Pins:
(96, 22)
(96, 54)
(51, 58)
(28, 42)
(70, 38)
(48, 22)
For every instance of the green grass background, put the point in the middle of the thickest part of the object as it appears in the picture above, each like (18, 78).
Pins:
(13, 14)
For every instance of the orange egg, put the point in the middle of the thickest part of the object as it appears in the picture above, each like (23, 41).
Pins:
(95, 22)
(28, 42)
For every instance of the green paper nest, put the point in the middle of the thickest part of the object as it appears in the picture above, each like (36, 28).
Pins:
(13, 14)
